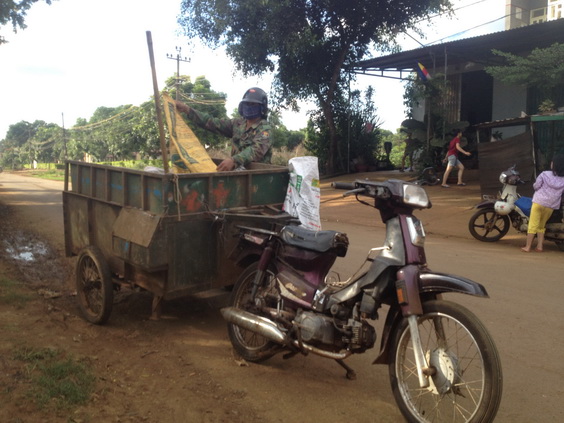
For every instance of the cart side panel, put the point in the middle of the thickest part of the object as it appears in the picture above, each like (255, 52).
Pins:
(193, 256)
(75, 213)
(156, 195)
(116, 194)
(269, 188)
(139, 239)
(100, 185)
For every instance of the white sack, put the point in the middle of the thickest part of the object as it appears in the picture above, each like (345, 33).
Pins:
(303, 195)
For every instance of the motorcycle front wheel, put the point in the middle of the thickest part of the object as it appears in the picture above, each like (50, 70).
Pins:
(250, 345)
(488, 226)
(466, 378)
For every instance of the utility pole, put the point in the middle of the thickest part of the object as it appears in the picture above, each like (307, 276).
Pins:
(64, 138)
(178, 59)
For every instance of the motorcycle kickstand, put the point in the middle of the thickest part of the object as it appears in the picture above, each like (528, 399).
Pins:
(351, 374)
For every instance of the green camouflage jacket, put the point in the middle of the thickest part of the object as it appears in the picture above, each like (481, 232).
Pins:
(248, 145)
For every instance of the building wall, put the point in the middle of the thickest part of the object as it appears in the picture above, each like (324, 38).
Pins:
(526, 12)
(508, 102)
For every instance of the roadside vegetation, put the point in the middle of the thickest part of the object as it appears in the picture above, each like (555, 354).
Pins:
(38, 377)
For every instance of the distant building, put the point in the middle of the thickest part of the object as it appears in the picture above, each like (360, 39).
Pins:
(520, 13)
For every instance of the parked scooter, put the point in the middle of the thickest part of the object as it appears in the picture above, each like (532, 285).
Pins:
(443, 364)
(494, 216)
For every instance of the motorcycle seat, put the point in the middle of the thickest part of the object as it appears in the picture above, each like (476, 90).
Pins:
(320, 241)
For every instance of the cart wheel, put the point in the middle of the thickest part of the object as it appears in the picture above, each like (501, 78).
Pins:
(94, 286)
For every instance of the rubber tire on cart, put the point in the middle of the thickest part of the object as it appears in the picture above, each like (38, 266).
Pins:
(94, 288)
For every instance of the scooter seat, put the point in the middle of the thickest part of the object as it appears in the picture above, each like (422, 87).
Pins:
(320, 241)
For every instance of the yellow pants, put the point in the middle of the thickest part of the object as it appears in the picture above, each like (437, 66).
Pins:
(538, 218)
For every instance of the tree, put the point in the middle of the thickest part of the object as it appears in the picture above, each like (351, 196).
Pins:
(543, 69)
(309, 44)
(14, 12)
(16, 149)
(356, 122)
(201, 97)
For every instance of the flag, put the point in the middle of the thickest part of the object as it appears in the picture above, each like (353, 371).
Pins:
(423, 73)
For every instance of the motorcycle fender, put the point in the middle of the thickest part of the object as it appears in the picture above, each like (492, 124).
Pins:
(245, 253)
(442, 282)
(430, 283)
(487, 204)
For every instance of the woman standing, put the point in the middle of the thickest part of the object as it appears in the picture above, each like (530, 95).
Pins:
(547, 197)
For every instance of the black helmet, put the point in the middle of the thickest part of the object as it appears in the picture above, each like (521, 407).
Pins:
(255, 95)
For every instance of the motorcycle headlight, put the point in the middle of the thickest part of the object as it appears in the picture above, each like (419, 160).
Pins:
(415, 196)
(416, 231)
(503, 177)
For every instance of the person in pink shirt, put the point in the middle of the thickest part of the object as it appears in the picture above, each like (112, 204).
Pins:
(548, 186)
(452, 160)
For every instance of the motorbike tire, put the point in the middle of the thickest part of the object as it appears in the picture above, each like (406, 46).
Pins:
(488, 226)
(467, 383)
(249, 345)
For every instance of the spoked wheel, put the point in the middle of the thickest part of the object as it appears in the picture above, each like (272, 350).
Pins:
(466, 380)
(488, 226)
(250, 345)
(94, 286)
(429, 176)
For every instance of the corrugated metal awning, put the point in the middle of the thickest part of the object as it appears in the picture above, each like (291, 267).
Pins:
(461, 52)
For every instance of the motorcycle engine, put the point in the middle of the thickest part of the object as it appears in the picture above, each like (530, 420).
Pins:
(315, 328)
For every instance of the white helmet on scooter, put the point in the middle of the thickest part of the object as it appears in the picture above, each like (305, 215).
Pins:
(503, 207)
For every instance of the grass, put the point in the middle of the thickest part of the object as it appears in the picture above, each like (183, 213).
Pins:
(55, 380)
(12, 294)
(52, 174)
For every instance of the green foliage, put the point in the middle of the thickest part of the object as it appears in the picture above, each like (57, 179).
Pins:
(308, 44)
(357, 128)
(12, 293)
(14, 12)
(201, 97)
(543, 67)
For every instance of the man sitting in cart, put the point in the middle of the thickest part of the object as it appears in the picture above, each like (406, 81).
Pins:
(250, 134)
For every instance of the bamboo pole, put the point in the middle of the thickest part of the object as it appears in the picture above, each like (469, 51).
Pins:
(157, 102)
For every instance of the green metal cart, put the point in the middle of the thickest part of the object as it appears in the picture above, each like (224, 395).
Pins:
(169, 234)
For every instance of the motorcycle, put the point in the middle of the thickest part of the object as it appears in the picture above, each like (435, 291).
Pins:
(495, 215)
(442, 362)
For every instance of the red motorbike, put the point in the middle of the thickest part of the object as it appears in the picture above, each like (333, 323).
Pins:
(443, 364)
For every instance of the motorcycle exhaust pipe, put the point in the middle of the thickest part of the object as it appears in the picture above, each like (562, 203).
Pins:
(257, 324)
(267, 328)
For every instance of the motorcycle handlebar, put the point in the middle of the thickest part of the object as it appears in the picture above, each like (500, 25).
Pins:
(343, 185)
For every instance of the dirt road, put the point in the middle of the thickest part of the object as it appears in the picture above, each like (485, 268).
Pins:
(180, 369)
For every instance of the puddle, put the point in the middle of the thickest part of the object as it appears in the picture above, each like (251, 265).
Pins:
(24, 249)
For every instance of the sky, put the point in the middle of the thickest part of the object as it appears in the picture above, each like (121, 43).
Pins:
(78, 55)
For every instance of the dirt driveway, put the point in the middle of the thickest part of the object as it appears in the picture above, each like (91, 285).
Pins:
(180, 369)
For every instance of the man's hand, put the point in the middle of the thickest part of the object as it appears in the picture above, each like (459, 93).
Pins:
(226, 165)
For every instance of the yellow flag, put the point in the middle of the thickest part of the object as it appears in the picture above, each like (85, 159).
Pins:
(187, 154)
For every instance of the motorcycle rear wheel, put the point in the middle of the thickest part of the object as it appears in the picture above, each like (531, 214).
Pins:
(467, 383)
(488, 226)
(249, 345)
